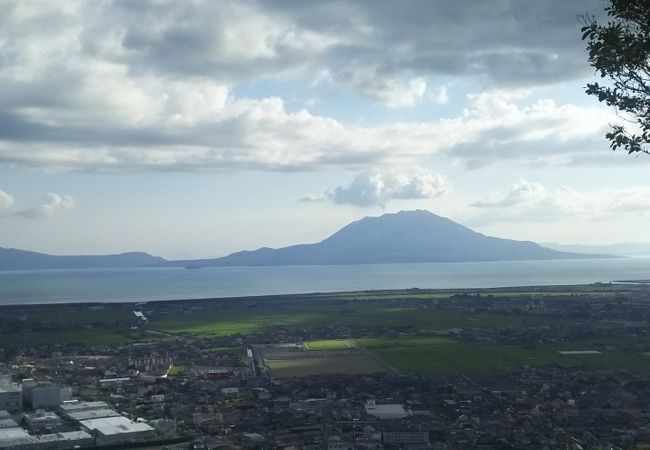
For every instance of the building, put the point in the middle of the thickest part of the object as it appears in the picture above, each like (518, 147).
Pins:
(11, 397)
(76, 405)
(405, 437)
(95, 423)
(230, 391)
(41, 394)
(118, 430)
(88, 414)
(63, 441)
(42, 420)
(6, 421)
(390, 411)
(14, 437)
(219, 374)
(19, 439)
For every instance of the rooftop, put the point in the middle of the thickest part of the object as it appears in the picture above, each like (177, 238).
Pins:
(65, 436)
(10, 387)
(392, 411)
(81, 406)
(92, 414)
(115, 425)
(12, 433)
(7, 423)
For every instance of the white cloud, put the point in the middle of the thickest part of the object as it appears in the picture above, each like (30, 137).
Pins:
(376, 188)
(205, 129)
(6, 201)
(533, 202)
(521, 193)
(151, 86)
(51, 205)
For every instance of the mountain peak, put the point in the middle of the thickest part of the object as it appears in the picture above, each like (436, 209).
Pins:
(409, 236)
(413, 236)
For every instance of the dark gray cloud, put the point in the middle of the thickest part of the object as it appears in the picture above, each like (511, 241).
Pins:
(148, 85)
(508, 42)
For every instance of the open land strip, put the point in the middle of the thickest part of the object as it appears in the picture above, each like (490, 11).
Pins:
(416, 330)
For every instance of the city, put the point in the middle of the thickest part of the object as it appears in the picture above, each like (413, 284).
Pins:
(314, 386)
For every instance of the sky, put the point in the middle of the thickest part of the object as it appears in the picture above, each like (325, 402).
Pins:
(195, 128)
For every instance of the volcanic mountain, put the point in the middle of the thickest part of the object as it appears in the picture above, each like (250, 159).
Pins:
(405, 237)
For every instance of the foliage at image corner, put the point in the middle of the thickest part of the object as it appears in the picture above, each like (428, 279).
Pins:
(619, 50)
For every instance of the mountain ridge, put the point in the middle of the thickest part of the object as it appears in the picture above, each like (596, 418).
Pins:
(423, 237)
(416, 236)
(15, 259)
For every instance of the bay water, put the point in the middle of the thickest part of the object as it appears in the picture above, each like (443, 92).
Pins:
(148, 284)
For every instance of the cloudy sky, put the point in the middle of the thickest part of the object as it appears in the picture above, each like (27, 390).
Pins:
(197, 128)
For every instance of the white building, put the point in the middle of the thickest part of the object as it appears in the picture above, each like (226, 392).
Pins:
(65, 440)
(118, 430)
(230, 391)
(391, 411)
(14, 438)
(76, 405)
(18, 439)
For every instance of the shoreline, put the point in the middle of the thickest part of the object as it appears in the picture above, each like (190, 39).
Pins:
(527, 289)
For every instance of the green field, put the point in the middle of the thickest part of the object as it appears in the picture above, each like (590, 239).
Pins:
(348, 365)
(328, 360)
(359, 316)
(69, 324)
(440, 355)
(479, 295)
(376, 313)
(328, 344)
(73, 315)
(232, 322)
(175, 370)
(110, 325)
(86, 337)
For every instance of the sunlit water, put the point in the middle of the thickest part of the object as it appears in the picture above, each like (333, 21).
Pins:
(120, 285)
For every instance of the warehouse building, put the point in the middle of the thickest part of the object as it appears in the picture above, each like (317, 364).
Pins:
(14, 437)
(19, 439)
(385, 411)
(88, 414)
(76, 405)
(118, 430)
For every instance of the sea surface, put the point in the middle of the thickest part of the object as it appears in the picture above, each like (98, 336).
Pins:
(147, 284)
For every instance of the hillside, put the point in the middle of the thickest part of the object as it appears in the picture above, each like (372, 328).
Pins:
(14, 259)
(404, 237)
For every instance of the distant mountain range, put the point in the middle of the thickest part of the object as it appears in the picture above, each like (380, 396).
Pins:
(13, 259)
(404, 237)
